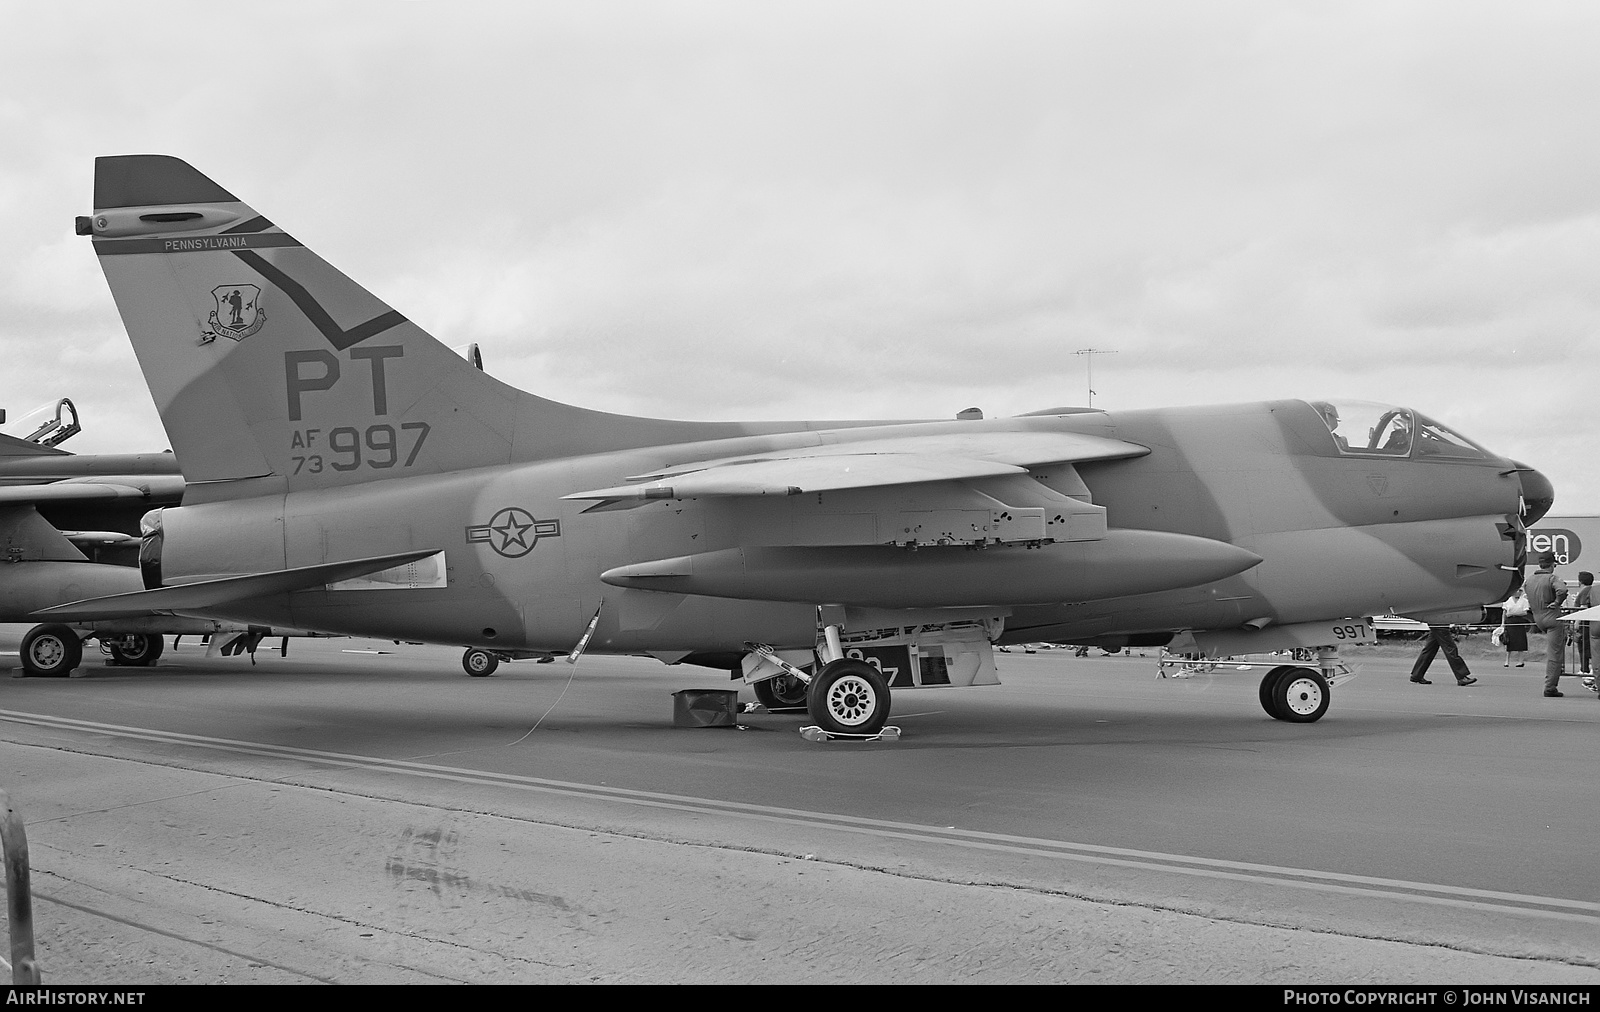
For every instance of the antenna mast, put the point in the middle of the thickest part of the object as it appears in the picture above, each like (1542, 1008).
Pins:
(1088, 367)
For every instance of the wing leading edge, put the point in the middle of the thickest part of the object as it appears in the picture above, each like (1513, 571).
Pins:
(869, 463)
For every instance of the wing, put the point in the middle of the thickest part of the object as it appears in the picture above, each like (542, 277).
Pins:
(833, 522)
(869, 463)
(155, 489)
(13, 446)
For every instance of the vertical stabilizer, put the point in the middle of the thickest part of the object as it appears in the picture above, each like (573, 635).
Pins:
(272, 371)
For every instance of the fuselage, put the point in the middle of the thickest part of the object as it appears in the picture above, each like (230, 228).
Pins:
(1337, 534)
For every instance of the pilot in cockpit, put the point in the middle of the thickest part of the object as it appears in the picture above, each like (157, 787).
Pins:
(1399, 438)
(1330, 417)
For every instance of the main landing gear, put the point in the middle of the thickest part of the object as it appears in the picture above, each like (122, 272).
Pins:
(51, 651)
(135, 650)
(849, 697)
(844, 678)
(781, 692)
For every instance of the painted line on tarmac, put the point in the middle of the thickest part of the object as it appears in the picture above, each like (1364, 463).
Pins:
(1372, 887)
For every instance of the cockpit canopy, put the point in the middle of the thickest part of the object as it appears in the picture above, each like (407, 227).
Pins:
(1367, 429)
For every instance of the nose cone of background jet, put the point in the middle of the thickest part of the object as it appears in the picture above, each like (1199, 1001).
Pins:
(1538, 495)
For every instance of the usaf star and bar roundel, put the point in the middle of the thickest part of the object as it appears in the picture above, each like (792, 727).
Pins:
(513, 532)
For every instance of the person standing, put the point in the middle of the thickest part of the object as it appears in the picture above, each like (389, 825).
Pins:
(1545, 594)
(1585, 630)
(1514, 627)
(1440, 638)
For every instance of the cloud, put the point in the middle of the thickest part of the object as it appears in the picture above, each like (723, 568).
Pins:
(844, 210)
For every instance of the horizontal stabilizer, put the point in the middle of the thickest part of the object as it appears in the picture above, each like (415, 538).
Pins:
(25, 536)
(213, 593)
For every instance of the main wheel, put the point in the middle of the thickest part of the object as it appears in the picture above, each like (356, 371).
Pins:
(51, 650)
(849, 697)
(1302, 695)
(1269, 690)
(136, 650)
(479, 663)
(783, 692)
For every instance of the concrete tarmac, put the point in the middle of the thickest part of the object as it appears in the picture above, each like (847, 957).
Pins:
(378, 816)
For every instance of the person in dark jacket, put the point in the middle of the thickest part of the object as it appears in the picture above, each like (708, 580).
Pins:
(1546, 591)
(1585, 631)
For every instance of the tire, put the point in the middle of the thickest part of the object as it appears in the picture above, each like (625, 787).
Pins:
(1269, 694)
(849, 697)
(1302, 695)
(51, 651)
(479, 663)
(785, 692)
(137, 650)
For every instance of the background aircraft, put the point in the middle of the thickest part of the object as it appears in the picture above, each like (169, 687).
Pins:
(349, 474)
(69, 528)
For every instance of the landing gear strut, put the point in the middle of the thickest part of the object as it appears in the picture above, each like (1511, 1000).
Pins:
(848, 696)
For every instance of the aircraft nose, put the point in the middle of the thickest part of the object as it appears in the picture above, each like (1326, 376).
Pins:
(1538, 495)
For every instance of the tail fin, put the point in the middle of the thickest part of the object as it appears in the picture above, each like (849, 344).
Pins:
(272, 371)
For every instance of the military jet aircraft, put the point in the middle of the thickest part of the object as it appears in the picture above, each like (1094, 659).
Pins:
(69, 527)
(350, 474)
(47, 425)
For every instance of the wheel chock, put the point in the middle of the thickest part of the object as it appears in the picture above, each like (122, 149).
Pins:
(812, 732)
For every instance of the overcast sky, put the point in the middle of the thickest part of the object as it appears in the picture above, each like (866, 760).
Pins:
(768, 210)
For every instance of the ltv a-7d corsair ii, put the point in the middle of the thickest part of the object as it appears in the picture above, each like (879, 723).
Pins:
(349, 474)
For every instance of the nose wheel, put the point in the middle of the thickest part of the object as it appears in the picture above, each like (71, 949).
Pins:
(1295, 694)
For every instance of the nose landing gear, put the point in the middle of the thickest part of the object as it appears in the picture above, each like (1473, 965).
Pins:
(1295, 694)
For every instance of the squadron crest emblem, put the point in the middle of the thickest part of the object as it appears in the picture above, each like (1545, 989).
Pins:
(238, 313)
